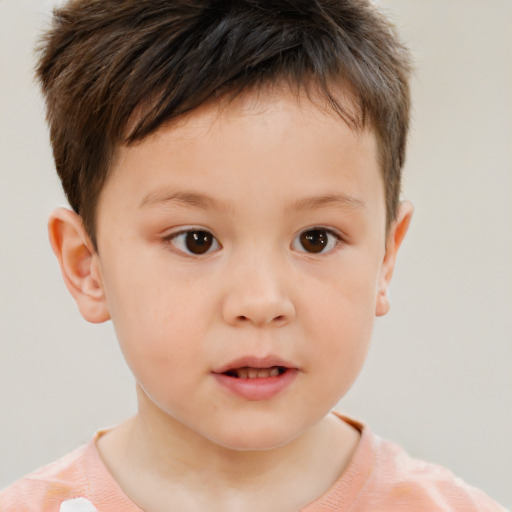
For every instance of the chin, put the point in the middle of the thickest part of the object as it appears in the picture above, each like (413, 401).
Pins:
(253, 438)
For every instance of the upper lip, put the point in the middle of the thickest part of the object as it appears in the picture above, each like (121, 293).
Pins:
(254, 362)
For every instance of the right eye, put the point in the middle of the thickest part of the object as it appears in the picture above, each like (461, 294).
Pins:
(317, 241)
(193, 241)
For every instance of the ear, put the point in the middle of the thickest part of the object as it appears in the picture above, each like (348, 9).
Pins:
(79, 264)
(395, 237)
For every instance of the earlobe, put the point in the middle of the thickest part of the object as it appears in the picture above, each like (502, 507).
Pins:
(79, 264)
(395, 238)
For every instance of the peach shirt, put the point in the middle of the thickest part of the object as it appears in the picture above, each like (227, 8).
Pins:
(381, 477)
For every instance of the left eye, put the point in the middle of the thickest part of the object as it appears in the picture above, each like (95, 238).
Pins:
(316, 240)
(194, 241)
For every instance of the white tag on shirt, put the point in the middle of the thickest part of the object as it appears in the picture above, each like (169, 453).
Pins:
(77, 505)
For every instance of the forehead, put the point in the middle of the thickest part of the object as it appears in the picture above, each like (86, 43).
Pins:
(308, 97)
(308, 102)
(306, 107)
(273, 133)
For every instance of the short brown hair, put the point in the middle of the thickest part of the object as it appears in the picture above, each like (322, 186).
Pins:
(102, 60)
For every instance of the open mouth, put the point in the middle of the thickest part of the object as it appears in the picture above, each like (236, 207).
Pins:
(247, 372)
(256, 378)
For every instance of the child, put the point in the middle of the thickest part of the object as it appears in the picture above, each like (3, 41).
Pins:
(234, 171)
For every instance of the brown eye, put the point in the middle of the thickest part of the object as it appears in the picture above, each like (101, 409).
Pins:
(196, 242)
(314, 240)
(317, 240)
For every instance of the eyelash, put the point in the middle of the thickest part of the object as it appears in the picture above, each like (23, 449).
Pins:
(169, 241)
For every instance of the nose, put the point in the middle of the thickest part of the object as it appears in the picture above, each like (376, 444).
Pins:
(257, 294)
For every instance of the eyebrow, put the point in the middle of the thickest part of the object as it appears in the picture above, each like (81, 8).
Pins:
(185, 198)
(324, 201)
(205, 202)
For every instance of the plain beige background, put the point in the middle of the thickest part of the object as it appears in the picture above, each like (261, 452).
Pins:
(438, 378)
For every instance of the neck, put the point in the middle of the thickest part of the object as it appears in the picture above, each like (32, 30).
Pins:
(157, 452)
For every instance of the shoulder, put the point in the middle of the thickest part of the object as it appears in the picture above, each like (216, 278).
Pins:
(413, 484)
(45, 489)
(383, 476)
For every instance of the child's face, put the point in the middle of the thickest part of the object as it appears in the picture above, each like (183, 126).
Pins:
(257, 232)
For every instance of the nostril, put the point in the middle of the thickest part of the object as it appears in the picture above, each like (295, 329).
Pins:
(276, 319)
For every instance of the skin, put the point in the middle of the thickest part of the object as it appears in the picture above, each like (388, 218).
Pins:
(258, 291)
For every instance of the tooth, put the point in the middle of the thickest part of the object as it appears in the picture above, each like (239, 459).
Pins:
(242, 373)
(253, 373)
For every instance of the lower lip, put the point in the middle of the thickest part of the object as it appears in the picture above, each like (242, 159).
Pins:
(260, 388)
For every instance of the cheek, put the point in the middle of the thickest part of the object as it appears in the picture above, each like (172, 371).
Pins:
(343, 334)
(160, 328)
(340, 320)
